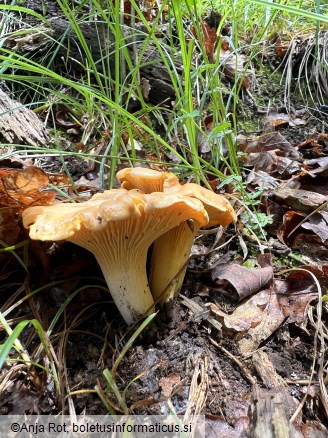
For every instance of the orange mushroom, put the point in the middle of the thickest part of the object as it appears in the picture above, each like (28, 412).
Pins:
(147, 180)
(117, 226)
(172, 249)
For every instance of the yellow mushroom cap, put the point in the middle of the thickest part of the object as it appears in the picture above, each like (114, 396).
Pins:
(219, 209)
(147, 180)
(63, 221)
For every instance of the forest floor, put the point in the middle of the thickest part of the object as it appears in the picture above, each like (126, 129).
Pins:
(249, 327)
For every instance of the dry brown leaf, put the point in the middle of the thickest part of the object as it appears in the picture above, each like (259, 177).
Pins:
(318, 224)
(273, 164)
(320, 164)
(273, 317)
(210, 38)
(291, 220)
(23, 187)
(245, 281)
(272, 141)
(258, 317)
(301, 289)
(281, 120)
(149, 9)
(262, 314)
(65, 120)
(168, 383)
(300, 200)
(310, 245)
(19, 188)
(295, 222)
(292, 234)
(232, 62)
(237, 324)
(281, 49)
(316, 144)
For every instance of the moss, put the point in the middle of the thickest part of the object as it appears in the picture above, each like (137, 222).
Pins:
(291, 261)
(249, 264)
(249, 125)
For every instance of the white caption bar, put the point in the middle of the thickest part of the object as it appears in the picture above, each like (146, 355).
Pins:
(100, 426)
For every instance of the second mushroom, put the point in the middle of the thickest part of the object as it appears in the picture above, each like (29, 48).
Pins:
(171, 250)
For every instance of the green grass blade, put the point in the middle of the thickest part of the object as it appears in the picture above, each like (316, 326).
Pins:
(12, 342)
(292, 10)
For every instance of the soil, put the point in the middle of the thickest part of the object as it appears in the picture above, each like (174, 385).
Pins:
(165, 357)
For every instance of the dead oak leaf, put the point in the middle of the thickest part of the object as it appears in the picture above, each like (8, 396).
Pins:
(300, 200)
(287, 232)
(272, 163)
(301, 288)
(318, 224)
(24, 187)
(245, 281)
(320, 166)
(256, 319)
(269, 142)
(316, 144)
(209, 37)
(280, 120)
(274, 310)
(20, 188)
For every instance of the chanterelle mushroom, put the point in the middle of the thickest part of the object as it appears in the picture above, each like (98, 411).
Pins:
(175, 245)
(172, 249)
(117, 226)
(147, 180)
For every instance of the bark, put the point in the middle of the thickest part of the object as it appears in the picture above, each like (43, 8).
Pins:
(152, 68)
(19, 124)
(154, 75)
(270, 419)
(274, 406)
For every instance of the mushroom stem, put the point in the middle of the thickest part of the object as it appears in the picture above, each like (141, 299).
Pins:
(128, 285)
(126, 276)
(174, 247)
(132, 306)
(171, 250)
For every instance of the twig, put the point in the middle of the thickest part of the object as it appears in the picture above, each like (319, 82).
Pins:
(246, 373)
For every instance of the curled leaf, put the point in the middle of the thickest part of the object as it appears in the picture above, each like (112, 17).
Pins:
(24, 187)
(245, 281)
